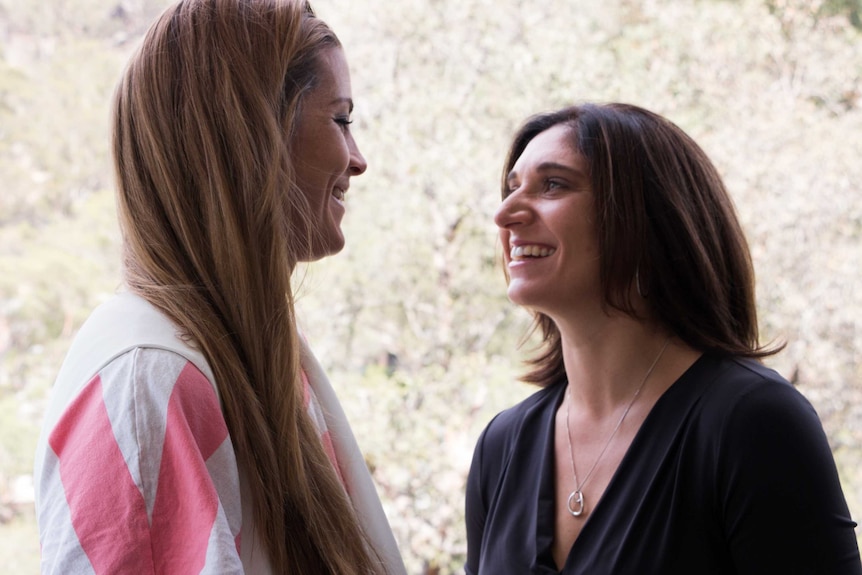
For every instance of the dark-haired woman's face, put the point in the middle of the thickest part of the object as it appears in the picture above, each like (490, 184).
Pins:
(547, 227)
(325, 154)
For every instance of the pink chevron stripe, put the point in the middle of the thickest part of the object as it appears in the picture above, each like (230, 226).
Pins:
(107, 509)
(326, 436)
(329, 448)
(186, 500)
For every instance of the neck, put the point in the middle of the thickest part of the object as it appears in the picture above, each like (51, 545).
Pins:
(605, 366)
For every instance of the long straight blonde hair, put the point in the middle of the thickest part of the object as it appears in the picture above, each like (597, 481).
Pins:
(212, 223)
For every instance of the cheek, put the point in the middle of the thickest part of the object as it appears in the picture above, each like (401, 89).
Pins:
(505, 256)
(329, 164)
(340, 156)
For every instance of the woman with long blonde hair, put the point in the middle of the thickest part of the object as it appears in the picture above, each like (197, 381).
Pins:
(191, 429)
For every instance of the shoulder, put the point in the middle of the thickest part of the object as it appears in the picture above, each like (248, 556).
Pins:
(146, 433)
(743, 388)
(124, 323)
(755, 416)
(512, 435)
(127, 356)
(518, 423)
(138, 396)
(152, 377)
(769, 457)
(728, 406)
(537, 406)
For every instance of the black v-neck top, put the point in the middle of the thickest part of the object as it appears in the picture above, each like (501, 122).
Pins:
(730, 473)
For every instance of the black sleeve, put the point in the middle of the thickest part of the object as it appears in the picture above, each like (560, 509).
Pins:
(475, 509)
(783, 507)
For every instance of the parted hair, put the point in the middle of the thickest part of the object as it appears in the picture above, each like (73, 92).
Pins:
(212, 224)
(666, 224)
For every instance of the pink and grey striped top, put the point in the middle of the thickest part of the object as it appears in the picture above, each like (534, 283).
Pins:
(136, 473)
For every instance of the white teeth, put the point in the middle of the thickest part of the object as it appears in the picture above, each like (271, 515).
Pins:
(339, 194)
(530, 251)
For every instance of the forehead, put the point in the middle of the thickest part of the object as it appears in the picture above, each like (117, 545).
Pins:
(556, 145)
(333, 75)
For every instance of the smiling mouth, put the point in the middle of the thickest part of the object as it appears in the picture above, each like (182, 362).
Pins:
(338, 194)
(530, 251)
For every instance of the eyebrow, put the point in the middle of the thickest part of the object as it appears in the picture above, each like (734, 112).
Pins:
(341, 100)
(547, 167)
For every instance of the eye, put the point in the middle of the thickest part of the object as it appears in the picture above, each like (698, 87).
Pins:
(552, 184)
(343, 121)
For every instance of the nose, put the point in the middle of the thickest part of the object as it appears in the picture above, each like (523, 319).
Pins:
(357, 165)
(511, 211)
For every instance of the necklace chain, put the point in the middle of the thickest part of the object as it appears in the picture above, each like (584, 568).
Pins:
(576, 501)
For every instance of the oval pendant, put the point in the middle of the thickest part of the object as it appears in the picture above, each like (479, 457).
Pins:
(576, 503)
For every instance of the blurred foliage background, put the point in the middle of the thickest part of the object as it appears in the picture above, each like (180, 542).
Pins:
(411, 320)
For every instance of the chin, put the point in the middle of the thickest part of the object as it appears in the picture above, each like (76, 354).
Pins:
(533, 300)
(518, 297)
(520, 288)
(328, 248)
(335, 242)
(331, 246)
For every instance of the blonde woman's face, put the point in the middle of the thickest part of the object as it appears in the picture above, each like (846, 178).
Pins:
(325, 153)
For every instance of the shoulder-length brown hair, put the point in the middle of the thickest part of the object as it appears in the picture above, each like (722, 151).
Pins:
(207, 204)
(666, 224)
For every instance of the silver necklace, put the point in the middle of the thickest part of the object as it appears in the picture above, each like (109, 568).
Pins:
(576, 501)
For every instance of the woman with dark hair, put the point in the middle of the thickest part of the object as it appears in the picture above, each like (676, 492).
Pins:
(658, 443)
(190, 429)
